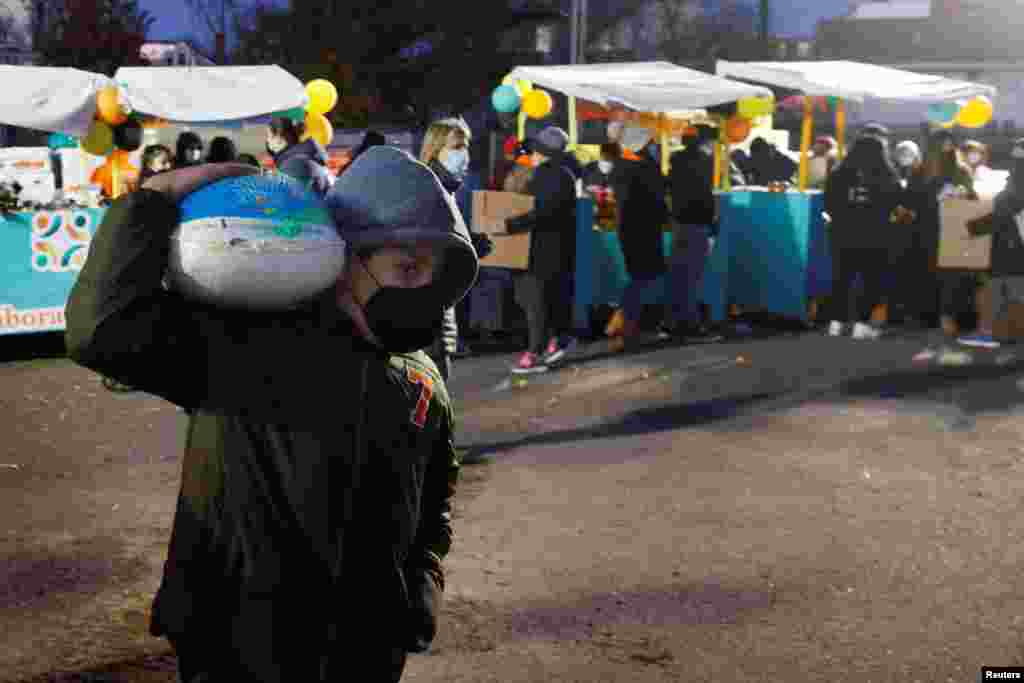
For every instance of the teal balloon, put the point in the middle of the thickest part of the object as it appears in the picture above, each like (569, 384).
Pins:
(505, 99)
(61, 141)
(943, 112)
(296, 114)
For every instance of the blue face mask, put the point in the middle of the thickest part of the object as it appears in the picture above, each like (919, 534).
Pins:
(456, 162)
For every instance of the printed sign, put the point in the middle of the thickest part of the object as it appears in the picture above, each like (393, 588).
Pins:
(42, 254)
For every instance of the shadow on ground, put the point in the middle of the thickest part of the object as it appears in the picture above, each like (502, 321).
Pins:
(644, 421)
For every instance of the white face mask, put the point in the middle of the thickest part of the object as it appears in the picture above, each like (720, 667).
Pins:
(195, 154)
(605, 166)
(276, 145)
(456, 161)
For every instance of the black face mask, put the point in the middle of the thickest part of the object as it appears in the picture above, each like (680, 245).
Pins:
(403, 319)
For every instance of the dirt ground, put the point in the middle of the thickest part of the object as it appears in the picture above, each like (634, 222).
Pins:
(846, 538)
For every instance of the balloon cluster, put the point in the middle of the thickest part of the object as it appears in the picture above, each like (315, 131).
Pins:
(974, 113)
(114, 125)
(510, 98)
(739, 125)
(322, 97)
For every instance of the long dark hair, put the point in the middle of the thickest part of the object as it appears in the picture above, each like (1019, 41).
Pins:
(938, 164)
(291, 131)
(222, 149)
(868, 159)
(186, 141)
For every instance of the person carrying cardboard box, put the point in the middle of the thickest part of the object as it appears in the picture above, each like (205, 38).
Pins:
(1006, 225)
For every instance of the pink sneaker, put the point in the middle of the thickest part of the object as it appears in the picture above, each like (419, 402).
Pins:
(529, 364)
(552, 347)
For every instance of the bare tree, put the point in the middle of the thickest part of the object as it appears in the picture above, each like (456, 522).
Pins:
(220, 16)
(689, 33)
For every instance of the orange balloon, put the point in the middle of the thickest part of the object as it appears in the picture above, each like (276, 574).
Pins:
(108, 105)
(104, 177)
(737, 128)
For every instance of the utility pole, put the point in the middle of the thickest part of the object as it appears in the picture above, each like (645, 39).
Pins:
(765, 17)
(574, 32)
(581, 30)
(222, 36)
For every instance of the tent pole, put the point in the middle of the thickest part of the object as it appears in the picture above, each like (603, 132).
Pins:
(524, 87)
(805, 140)
(841, 128)
(664, 147)
(574, 134)
(717, 181)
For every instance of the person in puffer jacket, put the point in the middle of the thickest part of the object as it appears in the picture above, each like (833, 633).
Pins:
(304, 160)
(318, 476)
(446, 152)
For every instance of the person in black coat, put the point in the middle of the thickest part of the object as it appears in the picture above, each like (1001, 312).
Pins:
(639, 190)
(860, 197)
(768, 165)
(552, 227)
(303, 160)
(188, 150)
(694, 228)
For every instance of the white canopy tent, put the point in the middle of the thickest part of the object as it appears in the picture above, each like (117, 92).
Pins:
(854, 81)
(208, 94)
(659, 87)
(57, 100)
(850, 81)
(651, 87)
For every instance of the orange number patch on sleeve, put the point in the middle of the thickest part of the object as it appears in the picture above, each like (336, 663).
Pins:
(426, 384)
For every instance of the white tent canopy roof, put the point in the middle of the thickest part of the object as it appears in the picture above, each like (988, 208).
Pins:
(53, 99)
(854, 81)
(210, 93)
(657, 87)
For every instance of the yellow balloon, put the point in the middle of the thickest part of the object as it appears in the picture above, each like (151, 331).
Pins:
(323, 96)
(976, 113)
(100, 139)
(521, 86)
(319, 128)
(537, 104)
(753, 107)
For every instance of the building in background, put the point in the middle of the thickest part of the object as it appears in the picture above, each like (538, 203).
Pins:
(974, 40)
(181, 52)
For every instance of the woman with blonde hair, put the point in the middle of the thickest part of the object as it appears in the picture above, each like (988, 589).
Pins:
(446, 152)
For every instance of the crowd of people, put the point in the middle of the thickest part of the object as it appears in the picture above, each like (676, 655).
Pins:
(291, 503)
(882, 211)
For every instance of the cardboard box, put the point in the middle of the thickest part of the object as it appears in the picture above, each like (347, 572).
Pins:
(1009, 329)
(957, 248)
(490, 211)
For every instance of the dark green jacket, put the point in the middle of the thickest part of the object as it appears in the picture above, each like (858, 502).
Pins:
(316, 466)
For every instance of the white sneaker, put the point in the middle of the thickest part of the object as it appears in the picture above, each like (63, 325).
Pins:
(865, 331)
(836, 329)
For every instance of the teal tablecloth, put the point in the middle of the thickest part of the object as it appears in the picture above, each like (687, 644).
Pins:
(601, 276)
(41, 254)
(779, 250)
(771, 253)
